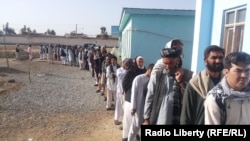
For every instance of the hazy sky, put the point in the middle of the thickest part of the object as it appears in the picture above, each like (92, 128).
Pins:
(63, 15)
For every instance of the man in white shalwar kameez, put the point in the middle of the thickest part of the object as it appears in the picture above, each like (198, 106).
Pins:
(30, 53)
(81, 59)
(138, 95)
(120, 73)
(137, 68)
(111, 82)
(71, 55)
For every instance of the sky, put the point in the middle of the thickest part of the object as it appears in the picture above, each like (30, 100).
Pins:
(83, 16)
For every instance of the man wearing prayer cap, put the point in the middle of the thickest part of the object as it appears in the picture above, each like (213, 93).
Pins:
(175, 43)
(186, 74)
(134, 70)
(164, 95)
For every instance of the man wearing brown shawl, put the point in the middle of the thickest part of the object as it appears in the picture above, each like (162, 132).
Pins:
(200, 84)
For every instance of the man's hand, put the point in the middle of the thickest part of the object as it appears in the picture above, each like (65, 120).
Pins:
(179, 78)
(133, 111)
(146, 122)
(179, 74)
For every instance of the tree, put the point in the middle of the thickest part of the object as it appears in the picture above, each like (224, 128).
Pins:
(104, 34)
(23, 30)
(28, 30)
(50, 32)
(8, 30)
(103, 30)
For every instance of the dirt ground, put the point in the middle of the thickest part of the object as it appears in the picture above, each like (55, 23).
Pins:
(62, 127)
(92, 126)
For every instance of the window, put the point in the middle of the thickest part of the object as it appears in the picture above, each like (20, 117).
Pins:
(234, 29)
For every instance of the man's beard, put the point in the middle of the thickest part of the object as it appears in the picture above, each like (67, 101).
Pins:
(171, 72)
(142, 67)
(215, 67)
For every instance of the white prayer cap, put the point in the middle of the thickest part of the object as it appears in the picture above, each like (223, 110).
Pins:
(168, 44)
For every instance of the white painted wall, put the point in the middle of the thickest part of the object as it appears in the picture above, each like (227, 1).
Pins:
(217, 28)
(56, 40)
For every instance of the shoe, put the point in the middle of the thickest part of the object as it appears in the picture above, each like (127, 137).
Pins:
(102, 94)
(96, 85)
(120, 128)
(117, 122)
(97, 91)
(138, 138)
(105, 98)
(108, 109)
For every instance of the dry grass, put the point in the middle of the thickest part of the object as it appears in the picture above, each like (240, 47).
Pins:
(6, 87)
(10, 51)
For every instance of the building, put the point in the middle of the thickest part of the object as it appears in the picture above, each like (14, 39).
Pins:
(146, 31)
(115, 31)
(225, 23)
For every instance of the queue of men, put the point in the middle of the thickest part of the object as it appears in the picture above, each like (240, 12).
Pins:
(165, 93)
(220, 94)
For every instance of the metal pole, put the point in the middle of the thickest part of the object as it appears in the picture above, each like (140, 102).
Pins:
(76, 28)
(6, 54)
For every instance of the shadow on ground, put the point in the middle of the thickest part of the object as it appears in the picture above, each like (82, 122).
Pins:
(10, 70)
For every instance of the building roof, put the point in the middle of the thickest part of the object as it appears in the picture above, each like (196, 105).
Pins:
(127, 12)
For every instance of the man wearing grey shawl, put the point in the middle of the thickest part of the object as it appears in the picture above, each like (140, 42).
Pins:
(229, 101)
(164, 95)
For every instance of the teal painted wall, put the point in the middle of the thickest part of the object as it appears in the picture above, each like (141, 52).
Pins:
(150, 33)
(115, 31)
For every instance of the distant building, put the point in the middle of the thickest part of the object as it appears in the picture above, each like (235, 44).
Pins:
(115, 31)
(146, 31)
(76, 35)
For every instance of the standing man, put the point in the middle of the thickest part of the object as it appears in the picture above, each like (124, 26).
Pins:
(105, 64)
(229, 101)
(164, 96)
(44, 52)
(111, 82)
(81, 58)
(159, 66)
(136, 69)
(50, 53)
(70, 55)
(30, 53)
(120, 73)
(41, 52)
(200, 84)
(17, 52)
(138, 95)
(63, 54)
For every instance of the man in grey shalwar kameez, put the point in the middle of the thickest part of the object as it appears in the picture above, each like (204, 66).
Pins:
(164, 96)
